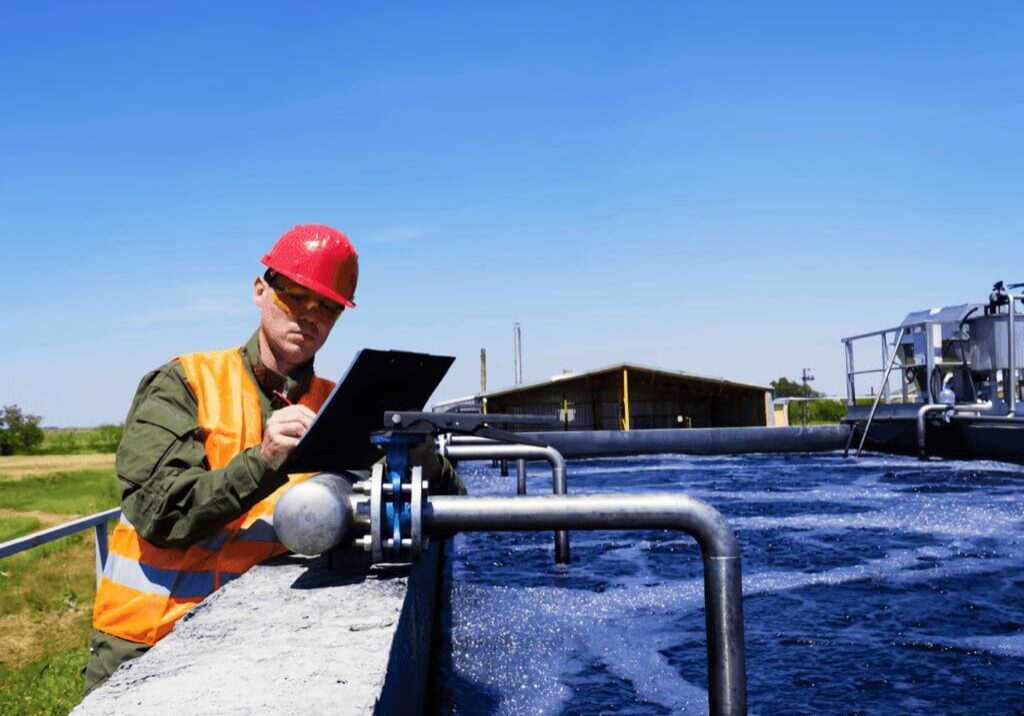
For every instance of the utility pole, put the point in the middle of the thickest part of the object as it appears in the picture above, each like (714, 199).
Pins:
(806, 378)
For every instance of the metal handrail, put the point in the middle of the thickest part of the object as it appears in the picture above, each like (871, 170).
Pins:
(906, 329)
(882, 332)
(881, 390)
(97, 521)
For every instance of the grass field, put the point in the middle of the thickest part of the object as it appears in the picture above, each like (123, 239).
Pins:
(46, 594)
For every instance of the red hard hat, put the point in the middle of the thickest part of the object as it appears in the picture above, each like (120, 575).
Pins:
(320, 258)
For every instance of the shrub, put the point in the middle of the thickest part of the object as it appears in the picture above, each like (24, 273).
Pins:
(19, 433)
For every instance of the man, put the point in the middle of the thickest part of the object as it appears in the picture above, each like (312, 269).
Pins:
(203, 444)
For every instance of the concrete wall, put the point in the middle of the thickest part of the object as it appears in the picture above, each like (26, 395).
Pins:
(291, 636)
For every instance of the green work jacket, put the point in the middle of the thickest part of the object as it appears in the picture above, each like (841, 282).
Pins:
(168, 492)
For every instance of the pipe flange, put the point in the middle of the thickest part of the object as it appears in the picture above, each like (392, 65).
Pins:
(416, 511)
(376, 512)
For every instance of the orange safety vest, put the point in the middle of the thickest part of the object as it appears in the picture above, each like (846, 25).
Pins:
(145, 589)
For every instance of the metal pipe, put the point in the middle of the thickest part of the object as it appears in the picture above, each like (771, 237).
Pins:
(520, 476)
(874, 333)
(885, 360)
(693, 441)
(723, 595)
(878, 397)
(851, 385)
(955, 410)
(849, 438)
(1013, 354)
(456, 439)
(487, 451)
(320, 513)
(922, 415)
(973, 407)
(988, 418)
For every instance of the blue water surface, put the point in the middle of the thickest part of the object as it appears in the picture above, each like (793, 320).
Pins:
(877, 586)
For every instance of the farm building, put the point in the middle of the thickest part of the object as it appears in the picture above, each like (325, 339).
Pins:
(629, 397)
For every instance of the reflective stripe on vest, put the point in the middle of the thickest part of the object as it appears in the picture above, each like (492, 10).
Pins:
(145, 589)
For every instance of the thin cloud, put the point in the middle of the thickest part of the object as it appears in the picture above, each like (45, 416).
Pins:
(394, 234)
(203, 303)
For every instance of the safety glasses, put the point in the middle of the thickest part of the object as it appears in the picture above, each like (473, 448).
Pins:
(295, 299)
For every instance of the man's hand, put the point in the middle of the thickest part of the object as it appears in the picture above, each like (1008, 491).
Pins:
(282, 432)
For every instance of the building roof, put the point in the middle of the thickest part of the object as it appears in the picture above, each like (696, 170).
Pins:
(618, 367)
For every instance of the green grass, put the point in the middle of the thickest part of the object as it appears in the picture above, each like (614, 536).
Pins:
(52, 685)
(46, 593)
(78, 493)
(11, 527)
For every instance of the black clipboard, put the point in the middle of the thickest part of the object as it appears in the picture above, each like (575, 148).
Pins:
(377, 381)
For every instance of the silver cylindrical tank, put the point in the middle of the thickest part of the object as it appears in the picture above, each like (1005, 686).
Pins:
(314, 515)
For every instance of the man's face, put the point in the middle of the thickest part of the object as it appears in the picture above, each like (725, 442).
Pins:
(295, 320)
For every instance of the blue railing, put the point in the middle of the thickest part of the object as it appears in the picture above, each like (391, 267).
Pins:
(97, 521)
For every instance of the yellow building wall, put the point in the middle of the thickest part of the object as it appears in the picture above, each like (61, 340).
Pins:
(782, 415)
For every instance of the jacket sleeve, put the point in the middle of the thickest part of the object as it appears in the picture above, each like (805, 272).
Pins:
(168, 491)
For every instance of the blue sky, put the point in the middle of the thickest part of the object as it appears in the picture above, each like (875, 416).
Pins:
(721, 188)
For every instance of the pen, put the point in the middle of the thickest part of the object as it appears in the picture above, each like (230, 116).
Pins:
(284, 398)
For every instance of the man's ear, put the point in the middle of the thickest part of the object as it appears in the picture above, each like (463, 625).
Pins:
(259, 290)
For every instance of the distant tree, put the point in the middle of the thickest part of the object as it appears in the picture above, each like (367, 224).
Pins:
(106, 438)
(62, 442)
(785, 388)
(19, 433)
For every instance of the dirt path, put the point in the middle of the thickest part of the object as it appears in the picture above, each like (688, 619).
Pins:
(46, 519)
(15, 467)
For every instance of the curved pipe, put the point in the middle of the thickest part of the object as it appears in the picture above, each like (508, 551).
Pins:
(475, 448)
(507, 451)
(660, 510)
(461, 440)
(957, 411)
(723, 591)
(922, 426)
(319, 513)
